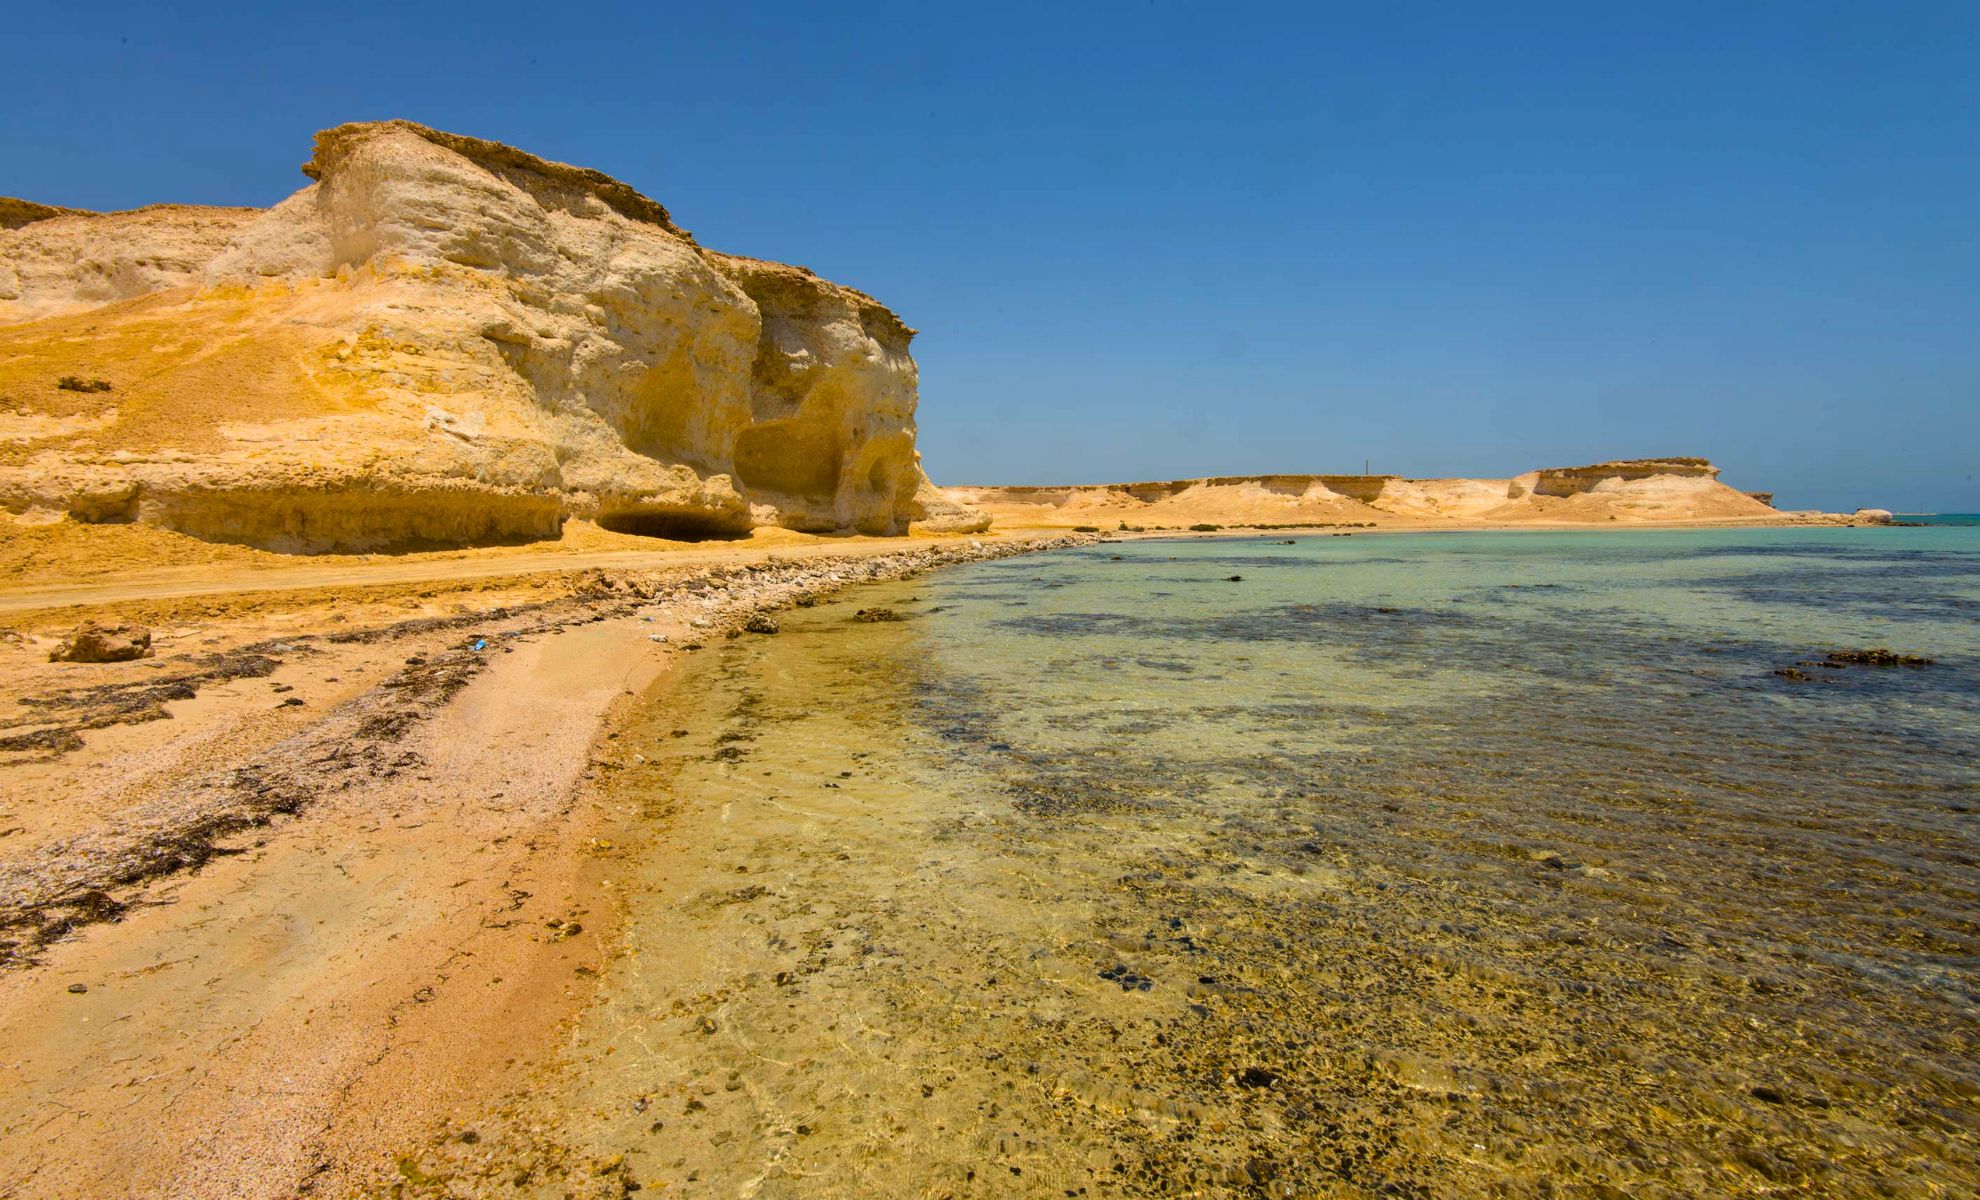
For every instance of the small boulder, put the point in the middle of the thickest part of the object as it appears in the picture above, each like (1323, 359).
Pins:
(759, 623)
(94, 643)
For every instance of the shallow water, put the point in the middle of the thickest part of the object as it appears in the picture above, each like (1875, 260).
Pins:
(1430, 865)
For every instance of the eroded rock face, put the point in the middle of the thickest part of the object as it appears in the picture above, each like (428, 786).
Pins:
(1576, 481)
(444, 340)
(63, 260)
(830, 439)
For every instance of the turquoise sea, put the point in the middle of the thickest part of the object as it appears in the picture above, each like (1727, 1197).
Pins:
(1424, 865)
(1941, 518)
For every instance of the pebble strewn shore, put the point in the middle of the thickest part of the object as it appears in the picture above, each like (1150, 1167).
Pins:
(51, 888)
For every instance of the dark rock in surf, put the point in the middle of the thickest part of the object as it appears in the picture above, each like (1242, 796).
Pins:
(1878, 657)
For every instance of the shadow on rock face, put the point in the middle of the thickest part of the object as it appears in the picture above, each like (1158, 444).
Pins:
(674, 526)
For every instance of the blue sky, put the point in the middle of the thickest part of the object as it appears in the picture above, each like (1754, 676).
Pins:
(1154, 240)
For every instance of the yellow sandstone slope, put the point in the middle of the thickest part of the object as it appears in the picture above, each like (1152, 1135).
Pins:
(441, 341)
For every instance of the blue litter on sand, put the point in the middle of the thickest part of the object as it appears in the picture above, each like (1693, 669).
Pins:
(479, 644)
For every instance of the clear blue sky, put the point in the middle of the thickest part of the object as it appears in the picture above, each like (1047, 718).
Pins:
(1155, 240)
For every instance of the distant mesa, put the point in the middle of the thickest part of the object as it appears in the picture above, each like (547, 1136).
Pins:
(1630, 490)
(442, 340)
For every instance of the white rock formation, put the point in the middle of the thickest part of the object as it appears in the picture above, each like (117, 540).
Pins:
(444, 340)
(70, 260)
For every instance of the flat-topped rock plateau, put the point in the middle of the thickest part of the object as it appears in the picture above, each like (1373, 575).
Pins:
(1636, 491)
(441, 341)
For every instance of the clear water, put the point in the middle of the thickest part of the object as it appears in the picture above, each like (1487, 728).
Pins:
(1431, 865)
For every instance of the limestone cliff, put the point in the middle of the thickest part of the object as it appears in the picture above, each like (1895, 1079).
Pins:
(830, 440)
(442, 340)
(64, 260)
(1637, 490)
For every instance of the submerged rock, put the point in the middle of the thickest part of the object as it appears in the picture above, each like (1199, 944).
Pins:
(1878, 657)
(1129, 980)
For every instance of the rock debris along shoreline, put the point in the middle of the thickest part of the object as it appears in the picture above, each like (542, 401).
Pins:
(53, 888)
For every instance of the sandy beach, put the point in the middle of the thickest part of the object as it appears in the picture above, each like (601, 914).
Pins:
(494, 702)
(335, 865)
(346, 881)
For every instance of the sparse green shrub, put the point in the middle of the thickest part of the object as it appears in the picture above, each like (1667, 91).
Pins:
(1206, 528)
(76, 383)
(1089, 528)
